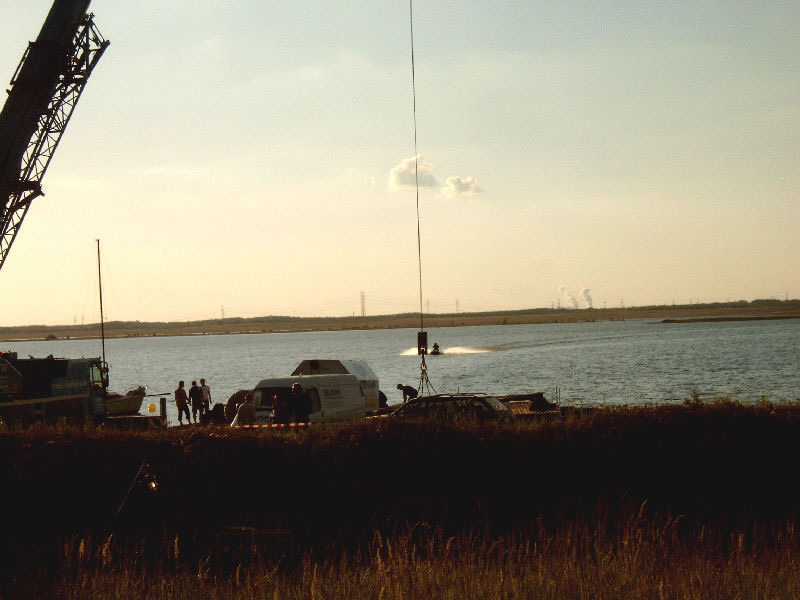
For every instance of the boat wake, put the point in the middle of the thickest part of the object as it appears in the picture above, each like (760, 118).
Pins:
(465, 350)
(451, 350)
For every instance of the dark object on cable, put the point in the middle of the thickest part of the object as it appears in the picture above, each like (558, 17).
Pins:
(422, 342)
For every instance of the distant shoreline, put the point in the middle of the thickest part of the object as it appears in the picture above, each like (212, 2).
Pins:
(722, 319)
(734, 311)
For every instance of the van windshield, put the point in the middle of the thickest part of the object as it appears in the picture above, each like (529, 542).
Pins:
(263, 397)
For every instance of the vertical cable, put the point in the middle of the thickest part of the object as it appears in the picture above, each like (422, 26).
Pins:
(423, 369)
(416, 162)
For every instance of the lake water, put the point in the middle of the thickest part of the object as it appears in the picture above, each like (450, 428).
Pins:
(625, 362)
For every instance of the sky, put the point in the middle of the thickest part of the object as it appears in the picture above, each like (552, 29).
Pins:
(256, 158)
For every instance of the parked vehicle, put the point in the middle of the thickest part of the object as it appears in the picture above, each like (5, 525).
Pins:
(51, 390)
(330, 397)
(454, 407)
(530, 406)
(365, 375)
(334, 391)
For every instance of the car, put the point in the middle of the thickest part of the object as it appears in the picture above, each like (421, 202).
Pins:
(454, 407)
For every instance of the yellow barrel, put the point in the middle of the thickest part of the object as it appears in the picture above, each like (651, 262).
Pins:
(151, 407)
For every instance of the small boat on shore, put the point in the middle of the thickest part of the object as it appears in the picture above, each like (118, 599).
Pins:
(125, 404)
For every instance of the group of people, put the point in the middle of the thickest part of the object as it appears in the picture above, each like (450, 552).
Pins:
(294, 408)
(199, 396)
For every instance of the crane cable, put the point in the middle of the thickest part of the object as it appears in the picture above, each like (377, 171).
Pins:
(423, 372)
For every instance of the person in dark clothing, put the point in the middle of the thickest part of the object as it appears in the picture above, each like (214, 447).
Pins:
(408, 392)
(182, 402)
(281, 411)
(196, 398)
(383, 401)
(300, 405)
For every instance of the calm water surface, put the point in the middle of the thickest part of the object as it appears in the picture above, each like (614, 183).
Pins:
(626, 362)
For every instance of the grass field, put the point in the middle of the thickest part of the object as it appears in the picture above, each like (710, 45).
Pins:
(689, 501)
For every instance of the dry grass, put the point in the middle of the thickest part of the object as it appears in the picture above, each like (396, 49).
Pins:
(648, 557)
(502, 511)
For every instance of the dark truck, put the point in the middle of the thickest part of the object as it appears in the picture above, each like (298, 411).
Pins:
(51, 390)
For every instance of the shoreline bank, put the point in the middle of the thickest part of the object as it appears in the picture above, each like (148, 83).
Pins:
(258, 325)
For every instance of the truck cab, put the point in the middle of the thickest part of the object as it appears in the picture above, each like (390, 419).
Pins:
(52, 389)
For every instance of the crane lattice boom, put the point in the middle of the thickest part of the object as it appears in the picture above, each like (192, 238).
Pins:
(44, 91)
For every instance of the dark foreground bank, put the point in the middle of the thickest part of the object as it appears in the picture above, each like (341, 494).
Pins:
(723, 468)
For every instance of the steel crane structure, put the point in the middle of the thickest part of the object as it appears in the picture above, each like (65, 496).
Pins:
(44, 90)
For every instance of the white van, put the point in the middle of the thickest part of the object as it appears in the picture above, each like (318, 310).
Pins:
(366, 376)
(331, 397)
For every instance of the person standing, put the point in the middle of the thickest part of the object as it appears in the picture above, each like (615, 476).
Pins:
(206, 395)
(300, 404)
(196, 397)
(182, 402)
(281, 410)
(246, 415)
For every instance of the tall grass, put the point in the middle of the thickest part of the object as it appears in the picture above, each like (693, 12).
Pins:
(647, 557)
(505, 510)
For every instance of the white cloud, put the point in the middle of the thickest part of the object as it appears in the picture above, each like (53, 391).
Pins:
(403, 174)
(460, 186)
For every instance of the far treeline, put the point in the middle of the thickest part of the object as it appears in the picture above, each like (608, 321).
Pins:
(762, 308)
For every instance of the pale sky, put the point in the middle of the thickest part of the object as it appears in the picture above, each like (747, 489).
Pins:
(255, 155)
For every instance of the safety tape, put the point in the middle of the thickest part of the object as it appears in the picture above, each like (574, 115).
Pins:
(273, 425)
